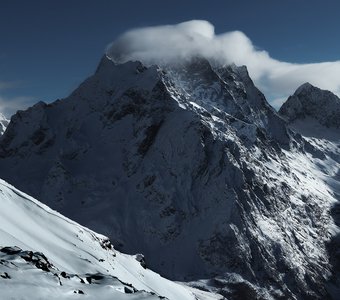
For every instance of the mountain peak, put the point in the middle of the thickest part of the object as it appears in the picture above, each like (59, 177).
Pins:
(304, 87)
(313, 102)
(185, 156)
(104, 63)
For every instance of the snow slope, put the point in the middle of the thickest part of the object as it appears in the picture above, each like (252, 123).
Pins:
(44, 255)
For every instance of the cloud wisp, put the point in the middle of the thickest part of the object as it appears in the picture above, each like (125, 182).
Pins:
(170, 43)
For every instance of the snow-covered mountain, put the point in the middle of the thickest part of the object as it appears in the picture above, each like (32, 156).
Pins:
(44, 255)
(315, 114)
(191, 166)
(3, 123)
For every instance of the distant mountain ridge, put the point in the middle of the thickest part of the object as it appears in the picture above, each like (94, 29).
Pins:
(310, 101)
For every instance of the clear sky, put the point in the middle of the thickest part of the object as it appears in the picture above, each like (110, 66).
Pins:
(48, 47)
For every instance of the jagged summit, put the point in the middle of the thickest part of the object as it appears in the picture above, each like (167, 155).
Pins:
(313, 102)
(304, 87)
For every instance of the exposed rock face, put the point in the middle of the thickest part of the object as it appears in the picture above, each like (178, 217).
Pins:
(187, 164)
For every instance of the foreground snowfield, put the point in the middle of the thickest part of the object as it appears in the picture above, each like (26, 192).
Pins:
(69, 261)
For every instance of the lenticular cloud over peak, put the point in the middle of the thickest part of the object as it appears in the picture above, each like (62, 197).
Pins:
(164, 44)
(169, 44)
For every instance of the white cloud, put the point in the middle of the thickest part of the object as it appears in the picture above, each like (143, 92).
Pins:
(167, 44)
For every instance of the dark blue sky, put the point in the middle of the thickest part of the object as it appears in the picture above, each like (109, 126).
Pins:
(48, 47)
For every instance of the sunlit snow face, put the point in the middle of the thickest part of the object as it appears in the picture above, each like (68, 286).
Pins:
(170, 43)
